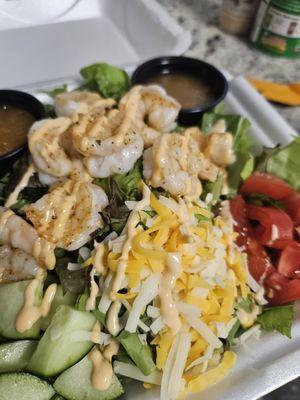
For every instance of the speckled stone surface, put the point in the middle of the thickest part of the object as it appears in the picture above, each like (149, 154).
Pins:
(230, 52)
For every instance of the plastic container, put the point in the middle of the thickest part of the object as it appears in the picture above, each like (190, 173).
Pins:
(277, 28)
(50, 40)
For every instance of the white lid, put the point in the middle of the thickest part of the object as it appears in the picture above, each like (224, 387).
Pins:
(50, 40)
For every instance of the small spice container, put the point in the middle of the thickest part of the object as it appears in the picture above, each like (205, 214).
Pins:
(277, 28)
(236, 16)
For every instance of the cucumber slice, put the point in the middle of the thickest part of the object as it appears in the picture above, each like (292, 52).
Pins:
(57, 350)
(57, 397)
(75, 384)
(11, 302)
(14, 356)
(59, 298)
(19, 385)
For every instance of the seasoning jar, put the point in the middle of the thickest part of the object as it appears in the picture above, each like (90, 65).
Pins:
(277, 28)
(236, 16)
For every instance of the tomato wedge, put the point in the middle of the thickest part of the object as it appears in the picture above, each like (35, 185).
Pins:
(238, 212)
(289, 261)
(258, 260)
(275, 227)
(292, 207)
(281, 290)
(266, 184)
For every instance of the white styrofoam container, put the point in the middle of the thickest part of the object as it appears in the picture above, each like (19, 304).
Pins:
(274, 360)
(45, 43)
(50, 40)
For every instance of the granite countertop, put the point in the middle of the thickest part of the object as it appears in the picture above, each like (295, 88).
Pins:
(230, 52)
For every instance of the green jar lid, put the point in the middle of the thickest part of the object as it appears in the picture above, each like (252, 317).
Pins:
(292, 6)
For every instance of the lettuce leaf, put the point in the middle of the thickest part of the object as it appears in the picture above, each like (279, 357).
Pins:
(240, 170)
(11, 175)
(110, 81)
(284, 162)
(277, 319)
(119, 188)
(233, 334)
(55, 91)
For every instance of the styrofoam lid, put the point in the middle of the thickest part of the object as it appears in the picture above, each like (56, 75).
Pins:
(35, 11)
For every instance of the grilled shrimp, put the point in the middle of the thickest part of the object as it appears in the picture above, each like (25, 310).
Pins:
(218, 147)
(19, 234)
(175, 162)
(156, 113)
(68, 214)
(72, 104)
(16, 265)
(109, 142)
(47, 145)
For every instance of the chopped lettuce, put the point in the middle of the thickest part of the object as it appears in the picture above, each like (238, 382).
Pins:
(123, 186)
(240, 170)
(72, 281)
(49, 110)
(81, 300)
(55, 91)
(245, 304)
(260, 199)
(284, 162)
(119, 188)
(101, 317)
(277, 319)
(215, 188)
(10, 177)
(233, 333)
(110, 81)
(140, 353)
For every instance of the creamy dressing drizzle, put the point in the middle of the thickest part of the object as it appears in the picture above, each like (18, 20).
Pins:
(66, 209)
(43, 252)
(96, 333)
(158, 161)
(98, 257)
(31, 313)
(168, 307)
(102, 371)
(13, 197)
(130, 229)
(94, 290)
(113, 325)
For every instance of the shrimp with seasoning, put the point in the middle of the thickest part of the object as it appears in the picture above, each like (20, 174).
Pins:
(19, 234)
(16, 265)
(156, 113)
(109, 143)
(73, 104)
(68, 214)
(175, 162)
(47, 144)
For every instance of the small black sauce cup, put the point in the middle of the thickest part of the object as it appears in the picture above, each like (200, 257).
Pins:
(188, 66)
(26, 102)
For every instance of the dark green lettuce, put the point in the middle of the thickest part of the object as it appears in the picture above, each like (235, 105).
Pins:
(110, 81)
